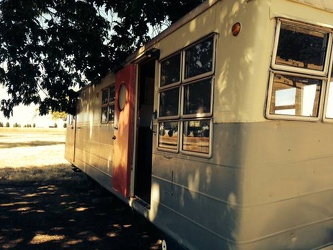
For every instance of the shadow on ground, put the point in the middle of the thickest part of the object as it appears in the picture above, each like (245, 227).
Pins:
(64, 212)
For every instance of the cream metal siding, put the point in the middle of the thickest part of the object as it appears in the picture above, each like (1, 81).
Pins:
(94, 144)
(320, 4)
(287, 185)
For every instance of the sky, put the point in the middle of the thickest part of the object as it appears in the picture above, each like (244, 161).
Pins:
(25, 115)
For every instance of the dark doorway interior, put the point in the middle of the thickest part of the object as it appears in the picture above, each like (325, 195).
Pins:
(146, 74)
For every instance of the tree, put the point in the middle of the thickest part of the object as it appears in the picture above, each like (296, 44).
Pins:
(47, 47)
(59, 115)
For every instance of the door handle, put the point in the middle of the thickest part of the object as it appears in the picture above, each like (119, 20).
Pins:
(114, 137)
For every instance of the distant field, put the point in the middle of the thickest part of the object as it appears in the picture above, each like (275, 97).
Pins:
(59, 131)
(26, 148)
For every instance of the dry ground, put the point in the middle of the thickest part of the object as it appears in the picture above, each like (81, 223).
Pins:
(45, 205)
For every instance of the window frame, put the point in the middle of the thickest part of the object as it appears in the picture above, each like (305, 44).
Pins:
(210, 113)
(294, 117)
(107, 104)
(170, 85)
(327, 92)
(195, 153)
(181, 85)
(206, 74)
(171, 117)
(301, 72)
(276, 66)
(178, 137)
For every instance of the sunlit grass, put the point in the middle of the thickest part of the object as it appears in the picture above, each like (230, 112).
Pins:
(31, 148)
(28, 144)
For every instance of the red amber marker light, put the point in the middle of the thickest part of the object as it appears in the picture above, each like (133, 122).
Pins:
(236, 29)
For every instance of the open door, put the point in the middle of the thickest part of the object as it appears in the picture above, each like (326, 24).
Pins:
(124, 130)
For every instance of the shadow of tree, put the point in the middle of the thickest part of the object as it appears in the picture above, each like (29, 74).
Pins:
(61, 214)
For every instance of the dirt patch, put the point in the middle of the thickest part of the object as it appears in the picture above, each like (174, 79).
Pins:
(46, 205)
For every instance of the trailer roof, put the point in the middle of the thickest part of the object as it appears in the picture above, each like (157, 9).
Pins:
(326, 5)
(320, 4)
(185, 19)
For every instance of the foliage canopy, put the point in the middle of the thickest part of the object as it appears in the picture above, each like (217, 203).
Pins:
(47, 47)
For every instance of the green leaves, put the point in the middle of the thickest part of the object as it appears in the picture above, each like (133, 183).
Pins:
(49, 47)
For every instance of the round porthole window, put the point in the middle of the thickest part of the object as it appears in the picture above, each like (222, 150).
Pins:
(122, 96)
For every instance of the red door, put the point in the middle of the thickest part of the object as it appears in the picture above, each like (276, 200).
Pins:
(124, 130)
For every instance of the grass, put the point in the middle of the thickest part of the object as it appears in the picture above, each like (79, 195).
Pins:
(60, 172)
(28, 144)
(32, 154)
(55, 131)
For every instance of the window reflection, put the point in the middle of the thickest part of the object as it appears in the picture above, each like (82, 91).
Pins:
(112, 93)
(197, 97)
(107, 107)
(301, 47)
(105, 96)
(199, 58)
(170, 70)
(293, 95)
(104, 115)
(169, 102)
(196, 136)
(168, 135)
(111, 112)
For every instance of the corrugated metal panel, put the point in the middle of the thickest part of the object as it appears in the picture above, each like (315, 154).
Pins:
(320, 4)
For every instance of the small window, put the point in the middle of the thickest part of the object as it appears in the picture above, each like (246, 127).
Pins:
(196, 136)
(104, 116)
(199, 58)
(105, 96)
(294, 95)
(197, 98)
(111, 113)
(301, 47)
(168, 135)
(169, 100)
(107, 109)
(112, 93)
(170, 70)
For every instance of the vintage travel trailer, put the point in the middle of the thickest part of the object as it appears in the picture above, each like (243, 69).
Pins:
(220, 129)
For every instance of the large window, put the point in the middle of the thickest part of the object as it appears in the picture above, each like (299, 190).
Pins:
(299, 71)
(107, 108)
(185, 99)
